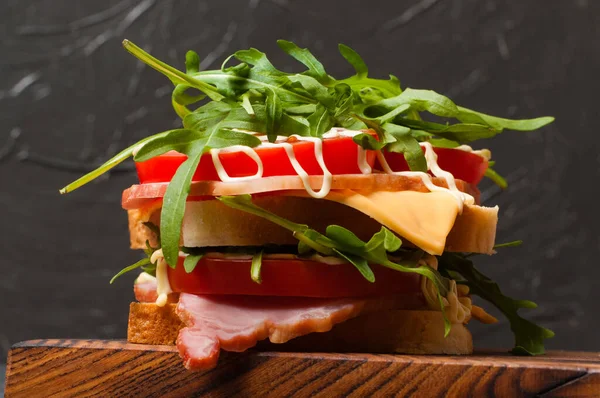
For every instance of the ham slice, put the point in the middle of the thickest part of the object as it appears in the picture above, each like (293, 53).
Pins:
(236, 323)
(144, 195)
(145, 291)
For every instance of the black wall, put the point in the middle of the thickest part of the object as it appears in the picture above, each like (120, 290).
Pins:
(70, 96)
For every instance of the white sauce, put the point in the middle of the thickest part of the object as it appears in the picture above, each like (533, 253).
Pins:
(163, 287)
(484, 153)
(318, 144)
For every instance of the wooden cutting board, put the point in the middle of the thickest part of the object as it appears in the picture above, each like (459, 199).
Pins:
(84, 368)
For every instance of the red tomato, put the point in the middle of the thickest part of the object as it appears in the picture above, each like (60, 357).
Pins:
(463, 165)
(283, 277)
(340, 156)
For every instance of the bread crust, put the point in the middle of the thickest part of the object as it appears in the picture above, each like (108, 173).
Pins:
(151, 324)
(394, 331)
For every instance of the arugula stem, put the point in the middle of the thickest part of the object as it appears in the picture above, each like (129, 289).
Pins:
(114, 161)
(175, 75)
(313, 244)
(496, 178)
(139, 264)
(244, 203)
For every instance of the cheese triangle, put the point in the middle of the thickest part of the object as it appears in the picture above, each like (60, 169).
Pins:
(424, 218)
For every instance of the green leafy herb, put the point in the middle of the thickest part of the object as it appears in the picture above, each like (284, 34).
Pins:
(255, 267)
(343, 243)
(274, 113)
(141, 263)
(176, 76)
(514, 243)
(406, 144)
(469, 116)
(191, 260)
(303, 55)
(144, 263)
(496, 178)
(355, 60)
(174, 206)
(113, 162)
(529, 337)
(255, 95)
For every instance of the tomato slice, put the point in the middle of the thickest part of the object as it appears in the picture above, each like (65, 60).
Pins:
(339, 154)
(289, 277)
(463, 165)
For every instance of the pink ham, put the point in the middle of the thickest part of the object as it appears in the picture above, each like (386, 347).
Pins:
(145, 292)
(236, 323)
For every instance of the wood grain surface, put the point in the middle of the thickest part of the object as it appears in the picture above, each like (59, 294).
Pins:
(115, 368)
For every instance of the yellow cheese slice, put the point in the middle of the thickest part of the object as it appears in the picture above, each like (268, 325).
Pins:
(424, 218)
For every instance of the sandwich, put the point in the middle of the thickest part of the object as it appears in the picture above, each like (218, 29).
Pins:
(297, 211)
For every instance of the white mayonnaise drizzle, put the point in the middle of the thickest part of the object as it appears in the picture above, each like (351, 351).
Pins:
(363, 165)
(318, 144)
(163, 287)
(457, 303)
(484, 153)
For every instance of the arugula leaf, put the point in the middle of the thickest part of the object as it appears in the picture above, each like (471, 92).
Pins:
(344, 99)
(529, 337)
(142, 262)
(180, 99)
(360, 263)
(259, 60)
(180, 140)
(314, 88)
(469, 116)
(255, 267)
(191, 261)
(274, 113)
(406, 144)
(246, 104)
(355, 60)
(303, 55)
(109, 164)
(192, 62)
(423, 100)
(173, 208)
(320, 121)
(176, 76)
(461, 132)
(367, 141)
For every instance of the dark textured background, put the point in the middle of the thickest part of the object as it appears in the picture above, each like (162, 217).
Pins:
(70, 96)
